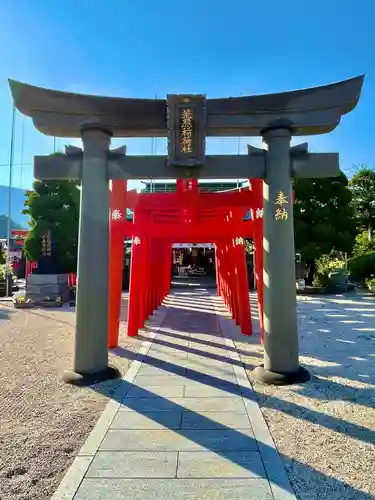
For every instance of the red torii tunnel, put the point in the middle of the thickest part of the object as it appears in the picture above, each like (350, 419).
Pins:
(161, 219)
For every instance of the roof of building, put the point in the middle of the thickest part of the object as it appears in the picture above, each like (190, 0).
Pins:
(170, 187)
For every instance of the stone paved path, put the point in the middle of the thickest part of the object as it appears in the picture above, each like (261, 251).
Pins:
(184, 423)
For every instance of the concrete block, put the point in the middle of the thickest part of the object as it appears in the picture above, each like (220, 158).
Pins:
(154, 391)
(206, 464)
(186, 440)
(142, 405)
(215, 420)
(165, 380)
(179, 489)
(201, 391)
(115, 464)
(147, 420)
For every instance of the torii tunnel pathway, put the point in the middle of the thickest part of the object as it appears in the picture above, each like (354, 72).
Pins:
(184, 423)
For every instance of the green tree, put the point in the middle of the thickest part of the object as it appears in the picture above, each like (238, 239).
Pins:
(323, 218)
(2, 254)
(363, 244)
(54, 206)
(362, 186)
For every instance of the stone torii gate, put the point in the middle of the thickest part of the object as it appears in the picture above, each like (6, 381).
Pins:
(187, 120)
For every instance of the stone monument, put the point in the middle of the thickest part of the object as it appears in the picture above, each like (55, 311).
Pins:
(46, 282)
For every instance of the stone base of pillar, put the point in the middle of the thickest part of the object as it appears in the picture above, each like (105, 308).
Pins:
(87, 379)
(273, 378)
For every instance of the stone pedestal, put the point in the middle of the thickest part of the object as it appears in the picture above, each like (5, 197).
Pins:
(40, 286)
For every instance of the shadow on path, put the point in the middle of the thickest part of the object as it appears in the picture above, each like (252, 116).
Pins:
(305, 477)
(233, 443)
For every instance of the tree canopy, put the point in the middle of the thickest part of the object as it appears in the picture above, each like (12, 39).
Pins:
(362, 185)
(54, 206)
(323, 216)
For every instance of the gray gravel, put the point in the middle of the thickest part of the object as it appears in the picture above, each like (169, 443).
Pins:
(325, 429)
(44, 422)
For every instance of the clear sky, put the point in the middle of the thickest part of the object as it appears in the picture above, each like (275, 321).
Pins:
(145, 48)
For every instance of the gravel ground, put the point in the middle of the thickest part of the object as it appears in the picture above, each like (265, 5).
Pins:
(44, 422)
(325, 429)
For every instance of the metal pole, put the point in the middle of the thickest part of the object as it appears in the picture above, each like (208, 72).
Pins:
(238, 152)
(9, 281)
(22, 149)
(239, 147)
(153, 148)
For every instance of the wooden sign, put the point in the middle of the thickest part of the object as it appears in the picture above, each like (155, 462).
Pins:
(186, 130)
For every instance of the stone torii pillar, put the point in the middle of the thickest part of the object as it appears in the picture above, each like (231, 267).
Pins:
(281, 352)
(90, 350)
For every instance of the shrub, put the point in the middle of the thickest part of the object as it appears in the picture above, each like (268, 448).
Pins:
(3, 272)
(2, 254)
(362, 244)
(325, 265)
(362, 266)
(370, 283)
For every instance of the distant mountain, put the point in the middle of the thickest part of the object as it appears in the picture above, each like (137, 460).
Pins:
(4, 226)
(17, 204)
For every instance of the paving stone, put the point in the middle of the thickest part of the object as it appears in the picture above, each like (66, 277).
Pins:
(166, 380)
(173, 338)
(132, 464)
(213, 420)
(210, 379)
(215, 381)
(152, 404)
(72, 479)
(206, 464)
(168, 363)
(158, 370)
(208, 360)
(234, 404)
(198, 337)
(158, 358)
(204, 349)
(212, 358)
(171, 350)
(175, 343)
(176, 489)
(201, 391)
(211, 368)
(209, 375)
(153, 391)
(142, 405)
(183, 440)
(209, 337)
(147, 420)
(158, 350)
(190, 378)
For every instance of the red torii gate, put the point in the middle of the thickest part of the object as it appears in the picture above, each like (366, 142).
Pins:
(161, 219)
(21, 235)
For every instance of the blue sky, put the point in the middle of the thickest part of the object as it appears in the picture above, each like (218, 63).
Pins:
(147, 48)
